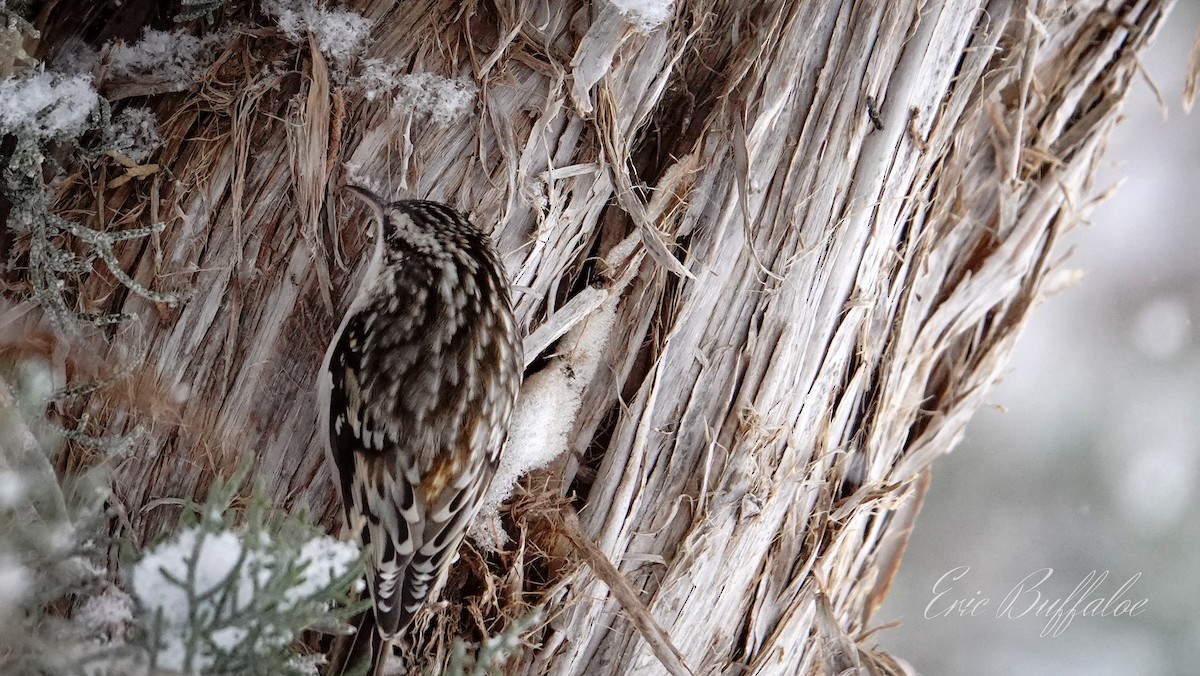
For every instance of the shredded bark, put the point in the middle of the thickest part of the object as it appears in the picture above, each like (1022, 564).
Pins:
(847, 211)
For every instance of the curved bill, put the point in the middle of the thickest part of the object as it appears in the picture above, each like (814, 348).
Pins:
(371, 199)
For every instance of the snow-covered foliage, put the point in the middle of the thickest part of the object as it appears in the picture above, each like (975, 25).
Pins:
(135, 134)
(46, 105)
(51, 264)
(197, 9)
(230, 599)
(227, 594)
(48, 528)
(41, 111)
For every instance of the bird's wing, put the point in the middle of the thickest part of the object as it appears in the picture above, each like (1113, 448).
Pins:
(344, 407)
(411, 521)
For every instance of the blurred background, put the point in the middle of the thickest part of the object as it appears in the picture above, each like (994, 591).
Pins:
(1088, 459)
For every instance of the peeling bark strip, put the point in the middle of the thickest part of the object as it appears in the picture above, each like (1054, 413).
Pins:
(848, 210)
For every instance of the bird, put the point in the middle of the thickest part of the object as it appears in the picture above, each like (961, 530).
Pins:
(416, 392)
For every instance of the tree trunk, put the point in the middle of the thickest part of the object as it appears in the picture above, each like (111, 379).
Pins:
(848, 209)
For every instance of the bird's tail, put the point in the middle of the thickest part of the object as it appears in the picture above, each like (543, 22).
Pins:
(362, 653)
(381, 651)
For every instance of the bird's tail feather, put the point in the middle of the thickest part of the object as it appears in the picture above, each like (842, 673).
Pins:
(381, 650)
(355, 654)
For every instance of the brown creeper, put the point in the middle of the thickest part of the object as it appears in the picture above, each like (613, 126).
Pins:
(416, 393)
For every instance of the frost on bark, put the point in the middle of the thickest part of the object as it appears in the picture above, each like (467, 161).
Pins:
(818, 228)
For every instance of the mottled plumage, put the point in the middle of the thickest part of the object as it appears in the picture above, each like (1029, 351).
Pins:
(417, 390)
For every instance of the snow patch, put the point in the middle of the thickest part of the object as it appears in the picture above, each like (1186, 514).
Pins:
(341, 35)
(645, 14)
(46, 104)
(208, 561)
(75, 57)
(105, 615)
(326, 559)
(545, 413)
(442, 99)
(216, 555)
(12, 488)
(35, 381)
(14, 584)
(175, 56)
(379, 77)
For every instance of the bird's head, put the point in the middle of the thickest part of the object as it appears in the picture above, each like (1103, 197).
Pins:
(431, 230)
